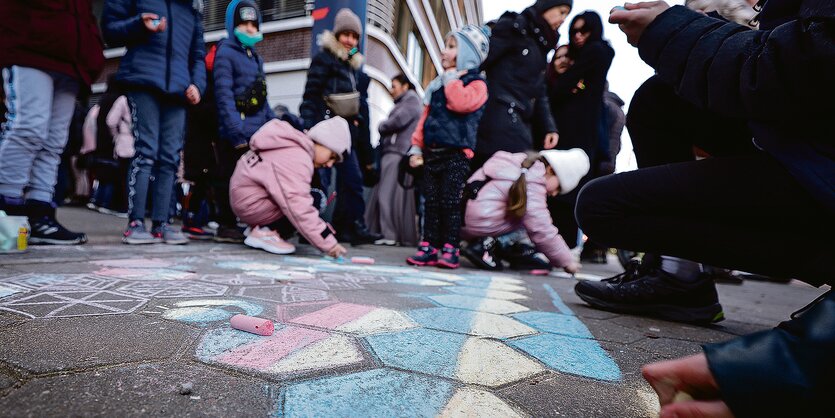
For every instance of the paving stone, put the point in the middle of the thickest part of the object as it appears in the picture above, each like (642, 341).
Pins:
(42, 346)
(9, 319)
(143, 390)
(560, 395)
(6, 381)
(675, 330)
(668, 348)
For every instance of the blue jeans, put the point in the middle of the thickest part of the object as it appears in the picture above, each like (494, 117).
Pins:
(40, 108)
(158, 126)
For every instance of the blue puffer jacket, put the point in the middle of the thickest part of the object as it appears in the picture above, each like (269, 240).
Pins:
(445, 128)
(168, 61)
(236, 69)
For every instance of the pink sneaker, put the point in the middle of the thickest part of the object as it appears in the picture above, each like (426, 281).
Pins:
(449, 257)
(268, 240)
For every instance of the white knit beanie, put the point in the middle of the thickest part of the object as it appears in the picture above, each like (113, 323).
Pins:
(570, 166)
(334, 135)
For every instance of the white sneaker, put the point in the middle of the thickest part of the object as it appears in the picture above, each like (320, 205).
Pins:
(388, 242)
(268, 240)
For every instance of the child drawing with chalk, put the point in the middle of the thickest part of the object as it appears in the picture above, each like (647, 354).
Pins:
(509, 193)
(272, 181)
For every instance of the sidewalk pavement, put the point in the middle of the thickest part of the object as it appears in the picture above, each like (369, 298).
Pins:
(116, 330)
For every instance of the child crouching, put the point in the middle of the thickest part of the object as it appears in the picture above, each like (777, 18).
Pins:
(509, 192)
(444, 141)
(272, 181)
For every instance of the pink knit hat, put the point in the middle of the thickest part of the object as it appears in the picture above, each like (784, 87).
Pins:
(334, 135)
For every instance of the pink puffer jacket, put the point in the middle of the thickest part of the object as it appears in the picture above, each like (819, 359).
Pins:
(487, 214)
(273, 180)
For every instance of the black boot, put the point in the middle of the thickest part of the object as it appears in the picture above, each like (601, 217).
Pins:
(361, 235)
(45, 228)
(482, 253)
(523, 256)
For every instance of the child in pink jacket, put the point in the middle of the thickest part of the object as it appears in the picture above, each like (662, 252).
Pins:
(512, 195)
(272, 181)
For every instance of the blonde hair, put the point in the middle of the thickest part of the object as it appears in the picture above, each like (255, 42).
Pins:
(517, 202)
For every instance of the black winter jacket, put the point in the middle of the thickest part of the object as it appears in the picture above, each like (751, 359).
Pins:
(518, 100)
(332, 71)
(781, 79)
(445, 128)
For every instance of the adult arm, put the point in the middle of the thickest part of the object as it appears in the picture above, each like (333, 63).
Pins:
(543, 119)
(122, 24)
(365, 153)
(400, 117)
(312, 100)
(229, 117)
(88, 129)
(197, 56)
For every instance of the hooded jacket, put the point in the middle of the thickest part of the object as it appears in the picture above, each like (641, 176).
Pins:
(273, 181)
(236, 68)
(518, 98)
(487, 214)
(166, 62)
(51, 35)
(333, 71)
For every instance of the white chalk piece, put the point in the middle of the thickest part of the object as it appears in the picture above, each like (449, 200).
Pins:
(362, 260)
(252, 324)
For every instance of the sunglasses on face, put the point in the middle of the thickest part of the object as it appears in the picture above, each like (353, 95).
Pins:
(584, 30)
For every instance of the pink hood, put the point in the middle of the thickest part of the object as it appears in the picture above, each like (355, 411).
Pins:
(275, 182)
(487, 214)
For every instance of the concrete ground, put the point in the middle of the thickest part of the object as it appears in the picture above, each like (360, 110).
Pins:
(115, 330)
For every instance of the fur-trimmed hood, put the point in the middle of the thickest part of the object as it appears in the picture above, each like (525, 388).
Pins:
(327, 40)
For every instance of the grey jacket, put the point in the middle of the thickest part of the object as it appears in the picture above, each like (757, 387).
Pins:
(396, 131)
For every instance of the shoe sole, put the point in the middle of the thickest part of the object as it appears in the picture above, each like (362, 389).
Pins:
(704, 315)
(200, 237)
(47, 241)
(140, 241)
(254, 243)
(446, 265)
(421, 263)
(176, 242)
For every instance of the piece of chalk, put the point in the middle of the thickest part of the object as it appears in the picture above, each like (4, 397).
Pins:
(362, 260)
(339, 259)
(540, 272)
(252, 324)
(619, 8)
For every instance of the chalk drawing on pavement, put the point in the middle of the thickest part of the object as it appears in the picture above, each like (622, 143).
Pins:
(284, 293)
(488, 293)
(473, 323)
(234, 279)
(473, 303)
(356, 319)
(289, 351)
(389, 393)
(206, 311)
(154, 274)
(134, 263)
(60, 304)
(455, 356)
(8, 289)
(420, 281)
(58, 282)
(168, 289)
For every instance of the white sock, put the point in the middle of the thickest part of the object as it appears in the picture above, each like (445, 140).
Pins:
(685, 270)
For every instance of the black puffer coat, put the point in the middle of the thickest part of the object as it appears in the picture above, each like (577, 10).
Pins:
(515, 67)
(330, 72)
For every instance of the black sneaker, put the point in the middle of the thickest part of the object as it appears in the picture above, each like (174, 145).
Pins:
(47, 231)
(482, 253)
(361, 235)
(523, 256)
(653, 292)
(229, 234)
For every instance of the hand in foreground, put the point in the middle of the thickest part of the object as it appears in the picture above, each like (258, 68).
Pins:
(635, 19)
(573, 268)
(416, 161)
(153, 23)
(551, 140)
(337, 251)
(686, 388)
(193, 94)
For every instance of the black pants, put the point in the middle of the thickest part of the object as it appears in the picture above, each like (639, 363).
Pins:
(227, 159)
(739, 209)
(445, 173)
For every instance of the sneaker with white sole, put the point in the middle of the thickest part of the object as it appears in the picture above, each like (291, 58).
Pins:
(268, 240)
(168, 235)
(136, 234)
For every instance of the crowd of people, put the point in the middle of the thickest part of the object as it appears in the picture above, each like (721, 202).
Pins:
(507, 157)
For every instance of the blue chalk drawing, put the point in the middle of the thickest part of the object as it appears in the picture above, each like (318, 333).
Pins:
(8, 290)
(557, 301)
(206, 311)
(578, 356)
(555, 323)
(221, 340)
(446, 319)
(372, 393)
(420, 350)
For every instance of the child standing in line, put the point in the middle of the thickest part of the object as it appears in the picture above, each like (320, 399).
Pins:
(509, 193)
(163, 71)
(444, 143)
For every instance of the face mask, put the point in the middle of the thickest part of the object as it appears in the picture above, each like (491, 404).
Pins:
(247, 39)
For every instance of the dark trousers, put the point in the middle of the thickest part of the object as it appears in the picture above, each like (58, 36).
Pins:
(227, 159)
(350, 206)
(445, 173)
(739, 209)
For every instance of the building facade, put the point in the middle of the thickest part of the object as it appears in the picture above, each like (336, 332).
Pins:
(401, 36)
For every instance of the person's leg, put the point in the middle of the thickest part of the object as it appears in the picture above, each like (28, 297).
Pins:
(455, 176)
(227, 160)
(29, 94)
(427, 252)
(350, 202)
(172, 126)
(145, 118)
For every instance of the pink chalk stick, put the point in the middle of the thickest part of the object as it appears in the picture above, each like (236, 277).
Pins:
(362, 260)
(252, 324)
(540, 272)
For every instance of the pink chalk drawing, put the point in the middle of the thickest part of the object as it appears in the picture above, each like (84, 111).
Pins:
(356, 319)
(289, 351)
(284, 293)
